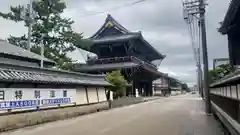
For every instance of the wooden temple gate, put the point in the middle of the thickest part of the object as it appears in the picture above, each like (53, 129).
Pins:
(119, 49)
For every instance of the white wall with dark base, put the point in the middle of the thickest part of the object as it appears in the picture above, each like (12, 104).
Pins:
(92, 94)
(49, 97)
(81, 96)
(102, 94)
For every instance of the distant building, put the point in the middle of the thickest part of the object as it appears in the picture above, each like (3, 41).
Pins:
(167, 85)
(23, 84)
(161, 86)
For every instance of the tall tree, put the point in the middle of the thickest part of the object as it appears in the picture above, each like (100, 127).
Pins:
(219, 72)
(185, 87)
(117, 80)
(55, 31)
(173, 82)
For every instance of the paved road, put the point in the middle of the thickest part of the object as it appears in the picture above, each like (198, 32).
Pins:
(179, 115)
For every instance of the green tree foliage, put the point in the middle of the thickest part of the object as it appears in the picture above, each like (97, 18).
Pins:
(173, 82)
(55, 30)
(118, 82)
(219, 72)
(185, 87)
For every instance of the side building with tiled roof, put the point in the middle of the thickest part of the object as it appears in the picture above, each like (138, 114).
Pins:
(12, 54)
(167, 85)
(23, 84)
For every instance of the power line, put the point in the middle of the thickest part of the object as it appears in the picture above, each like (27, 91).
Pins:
(191, 17)
(114, 8)
(192, 41)
(27, 14)
(196, 8)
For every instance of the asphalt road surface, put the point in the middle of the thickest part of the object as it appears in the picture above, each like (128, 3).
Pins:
(179, 115)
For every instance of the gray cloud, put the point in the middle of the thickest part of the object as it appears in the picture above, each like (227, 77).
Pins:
(160, 21)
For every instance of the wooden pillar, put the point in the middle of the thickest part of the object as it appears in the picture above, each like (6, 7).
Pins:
(146, 89)
(237, 91)
(150, 88)
(238, 103)
(97, 94)
(105, 90)
(238, 112)
(86, 91)
(134, 87)
(140, 93)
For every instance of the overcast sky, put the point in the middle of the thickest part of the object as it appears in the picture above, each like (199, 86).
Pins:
(161, 22)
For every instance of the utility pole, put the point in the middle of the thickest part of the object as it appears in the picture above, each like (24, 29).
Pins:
(28, 15)
(199, 72)
(42, 50)
(29, 25)
(191, 13)
(205, 56)
(200, 77)
(195, 9)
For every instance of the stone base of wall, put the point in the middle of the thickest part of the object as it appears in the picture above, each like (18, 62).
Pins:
(126, 101)
(15, 121)
(24, 119)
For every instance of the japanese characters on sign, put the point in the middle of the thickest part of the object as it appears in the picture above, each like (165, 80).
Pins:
(56, 101)
(32, 103)
(18, 104)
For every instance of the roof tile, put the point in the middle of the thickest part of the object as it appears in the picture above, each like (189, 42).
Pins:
(7, 48)
(9, 75)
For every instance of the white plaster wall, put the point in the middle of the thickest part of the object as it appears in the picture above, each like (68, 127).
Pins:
(219, 91)
(102, 94)
(216, 91)
(228, 91)
(234, 91)
(173, 92)
(212, 90)
(92, 95)
(28, 93)
(179, 92)
(238, 90)
(223, 92)
(80, 97)
(158, 92)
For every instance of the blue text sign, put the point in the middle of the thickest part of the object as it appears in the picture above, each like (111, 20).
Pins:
(56, 101)
(18, 104)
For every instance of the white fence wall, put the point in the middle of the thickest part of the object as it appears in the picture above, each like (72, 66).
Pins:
(102, 94)
(74, 96)
(229, 91)
(81, 96)
(28, 93)
(92, 94)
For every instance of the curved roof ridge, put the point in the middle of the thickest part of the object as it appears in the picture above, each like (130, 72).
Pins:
(110, 18)
(115, 23)
(230, 14)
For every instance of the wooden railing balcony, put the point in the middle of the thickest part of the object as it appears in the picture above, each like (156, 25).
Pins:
(225, 101)
(144, 62)
(120, 59)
